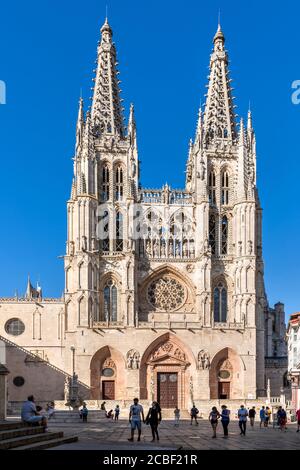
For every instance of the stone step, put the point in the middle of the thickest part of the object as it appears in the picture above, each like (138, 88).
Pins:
(21, 431)
(12, 425)
(48, 444)
(28, 440)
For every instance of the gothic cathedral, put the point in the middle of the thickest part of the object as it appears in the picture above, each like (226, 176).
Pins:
(164, 289)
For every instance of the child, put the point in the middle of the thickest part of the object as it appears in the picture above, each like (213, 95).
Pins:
(110, 414)
(176, 416)
(50, 410)
(117, 412)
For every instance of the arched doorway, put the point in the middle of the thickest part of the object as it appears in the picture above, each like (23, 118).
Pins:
(165, 373)
(226, 375)
(107, 374)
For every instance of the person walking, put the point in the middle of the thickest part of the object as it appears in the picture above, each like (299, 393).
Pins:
(242, 415)
(225, 418)
(136, 414)
(194, 413)
(268, 416)
(84, 413)
(282, 418)
(298, 420)
(252, 414)
(176, 416)
(262, 416)
(117, 412)
(154, 418)
(214, 415)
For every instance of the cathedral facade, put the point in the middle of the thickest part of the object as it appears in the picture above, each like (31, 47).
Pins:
(164, 289)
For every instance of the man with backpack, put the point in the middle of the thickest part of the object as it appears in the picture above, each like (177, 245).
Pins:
(194, 413)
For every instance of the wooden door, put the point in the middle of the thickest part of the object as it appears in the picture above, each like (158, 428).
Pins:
(167, 389)
(224, 390)
(108, 390)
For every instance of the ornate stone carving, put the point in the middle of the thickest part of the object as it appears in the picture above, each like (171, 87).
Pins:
(109, 364)
(170, 349)
(203, 360)
(190, 268)
(133, 359)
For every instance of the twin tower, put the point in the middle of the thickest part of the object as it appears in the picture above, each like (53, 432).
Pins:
(164, 292)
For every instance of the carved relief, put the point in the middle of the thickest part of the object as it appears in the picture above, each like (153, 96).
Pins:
(109, 364)
(170, 349)
(133, 359)
(203, 360)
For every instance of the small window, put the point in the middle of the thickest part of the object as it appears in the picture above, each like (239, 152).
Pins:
(14, 327)
(108, 372)
(212, 188)
(212, 233)
(18, 381)
(225, 188)
(220, 304)
(105, 183)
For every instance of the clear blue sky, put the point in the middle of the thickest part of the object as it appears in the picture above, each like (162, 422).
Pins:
(47, 53)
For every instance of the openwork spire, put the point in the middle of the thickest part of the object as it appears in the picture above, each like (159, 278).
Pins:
(107, 116)
(219, 117)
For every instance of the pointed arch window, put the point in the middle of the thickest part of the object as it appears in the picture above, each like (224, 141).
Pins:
(105, 183)
(119, 183)
(212, 233)
(225, 188)
(110, 302)
(224, 235)
(104, 231)
(212, 188)
(220, 303)
(119, 232)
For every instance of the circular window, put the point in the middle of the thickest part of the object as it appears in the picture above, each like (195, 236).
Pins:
(173, 378)
(14, 327)
(224, 374)
(162, 378)
(166, 294)
(18, 381)
(108, 372)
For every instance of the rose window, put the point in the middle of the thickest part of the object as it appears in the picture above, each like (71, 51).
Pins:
(166, 294)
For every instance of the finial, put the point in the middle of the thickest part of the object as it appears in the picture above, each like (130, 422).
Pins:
(106, 14)
(219, 34)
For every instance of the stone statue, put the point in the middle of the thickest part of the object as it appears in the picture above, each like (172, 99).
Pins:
(135, 363)
(202, 169)
(203, 360)
(66, 388)
(72, 248)
(133, 359)
(129, 362)
(84, 243)
(189, 173)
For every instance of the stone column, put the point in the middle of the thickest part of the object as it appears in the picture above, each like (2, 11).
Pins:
(3, 391)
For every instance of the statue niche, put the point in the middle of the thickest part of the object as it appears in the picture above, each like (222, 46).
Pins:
(203, 360)
(133, 359)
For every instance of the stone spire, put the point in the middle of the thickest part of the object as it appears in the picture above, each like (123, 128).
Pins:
(80, 125)
(242, 162)
(132, 127)
(219, 117)
(107, 112)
